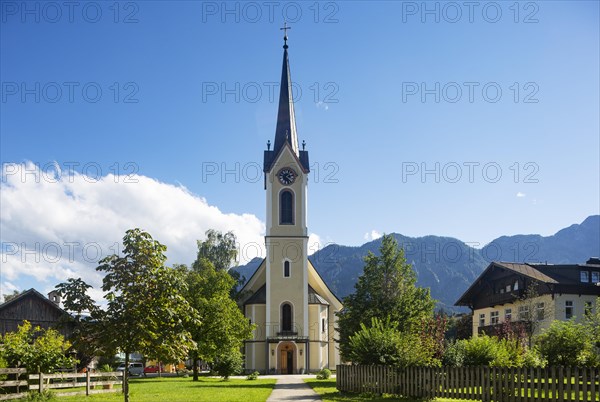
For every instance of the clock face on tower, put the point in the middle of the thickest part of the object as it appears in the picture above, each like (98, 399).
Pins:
(286, 176)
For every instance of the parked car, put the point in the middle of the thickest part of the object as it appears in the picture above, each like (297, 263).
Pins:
(134, 368)
(153, 369)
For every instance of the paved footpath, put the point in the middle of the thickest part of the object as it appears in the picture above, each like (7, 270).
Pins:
(293, 388)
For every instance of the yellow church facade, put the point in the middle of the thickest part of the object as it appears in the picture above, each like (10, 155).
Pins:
(290, 304)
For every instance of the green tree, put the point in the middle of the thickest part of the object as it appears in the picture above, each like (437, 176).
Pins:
(218, 248)
(386, 289)
(592, 322)
(221, 250)
(36, 349)
(147, 310)
(83, 321)
(223, 326)
(8, 297)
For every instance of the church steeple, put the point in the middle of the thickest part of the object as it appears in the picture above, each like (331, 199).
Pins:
(285, 131)
(286, 120)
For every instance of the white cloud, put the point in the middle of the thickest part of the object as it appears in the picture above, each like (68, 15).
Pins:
(373, 235)
(55, 226)
(314, 243)
(521, 195)
(322, 105)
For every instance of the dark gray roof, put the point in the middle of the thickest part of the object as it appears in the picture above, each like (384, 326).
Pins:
(314, 298)
(260, 297)
(285, 131)
(286, 120)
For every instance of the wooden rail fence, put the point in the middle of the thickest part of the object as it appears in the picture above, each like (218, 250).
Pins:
(487, 384)
(13, 388)
(80, 383)
(89, 382)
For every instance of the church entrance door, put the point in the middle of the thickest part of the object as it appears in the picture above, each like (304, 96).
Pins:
(286, 358)
(287, 362)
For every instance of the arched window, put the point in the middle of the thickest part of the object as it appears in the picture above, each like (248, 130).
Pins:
(286, 269)
(286, 208)
(286, 317)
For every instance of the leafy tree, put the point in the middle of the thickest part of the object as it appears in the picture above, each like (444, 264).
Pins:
(529, 322)
(592, 322)
(432, 333)
(8, 297)
(223, 326)
(146, 308)
(221, 250)
(35, 348)
(84, 319)
(567, 343)
(459, 327)
(386, 289)
(218, 248)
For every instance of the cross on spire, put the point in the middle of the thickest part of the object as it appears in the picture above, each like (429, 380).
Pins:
(285, 38)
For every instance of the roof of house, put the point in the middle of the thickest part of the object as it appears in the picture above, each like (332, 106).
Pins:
(563, 276)
(31, 292)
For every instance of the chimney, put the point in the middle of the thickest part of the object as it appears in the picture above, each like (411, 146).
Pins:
(54, 297)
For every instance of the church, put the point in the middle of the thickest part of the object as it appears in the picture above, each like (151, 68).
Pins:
(292, 307)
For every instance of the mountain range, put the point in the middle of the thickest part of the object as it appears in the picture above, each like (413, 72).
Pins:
(447, 265)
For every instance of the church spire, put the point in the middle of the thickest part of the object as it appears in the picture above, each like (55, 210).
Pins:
(286, 120)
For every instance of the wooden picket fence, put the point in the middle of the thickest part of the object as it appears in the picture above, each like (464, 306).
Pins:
(487, 384)
(13, 388)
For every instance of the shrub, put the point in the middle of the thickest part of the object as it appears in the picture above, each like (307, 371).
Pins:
(454, 355)
(229, 363)
(566, 343)
(480, 350)
(324, 374)
(382, 343)
(253, 376)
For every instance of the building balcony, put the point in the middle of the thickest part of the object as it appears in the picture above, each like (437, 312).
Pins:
(499, 299)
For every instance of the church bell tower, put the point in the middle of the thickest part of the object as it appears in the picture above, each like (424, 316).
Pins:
(286, 169)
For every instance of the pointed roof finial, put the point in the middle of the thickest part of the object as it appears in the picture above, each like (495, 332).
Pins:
(285, 38)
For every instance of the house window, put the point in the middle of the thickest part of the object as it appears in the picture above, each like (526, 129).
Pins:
(286, 208)
(494, 317)
(588, 309)
(286, 317)
(322, 324)
(286, 269)
(482, 319)
(595, 277)
(523, 313)
(507, 288)
(584, 276)
(539, 311)
(508, 314)
(516, 287)
(568, 309)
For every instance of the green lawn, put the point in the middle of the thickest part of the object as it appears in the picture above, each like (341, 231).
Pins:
(179, 389)
(329, 393)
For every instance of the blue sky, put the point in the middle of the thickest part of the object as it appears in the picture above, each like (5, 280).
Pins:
(386, 90)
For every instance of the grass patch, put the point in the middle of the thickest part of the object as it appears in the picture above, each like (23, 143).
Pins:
(185, 390)
(329, 393)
